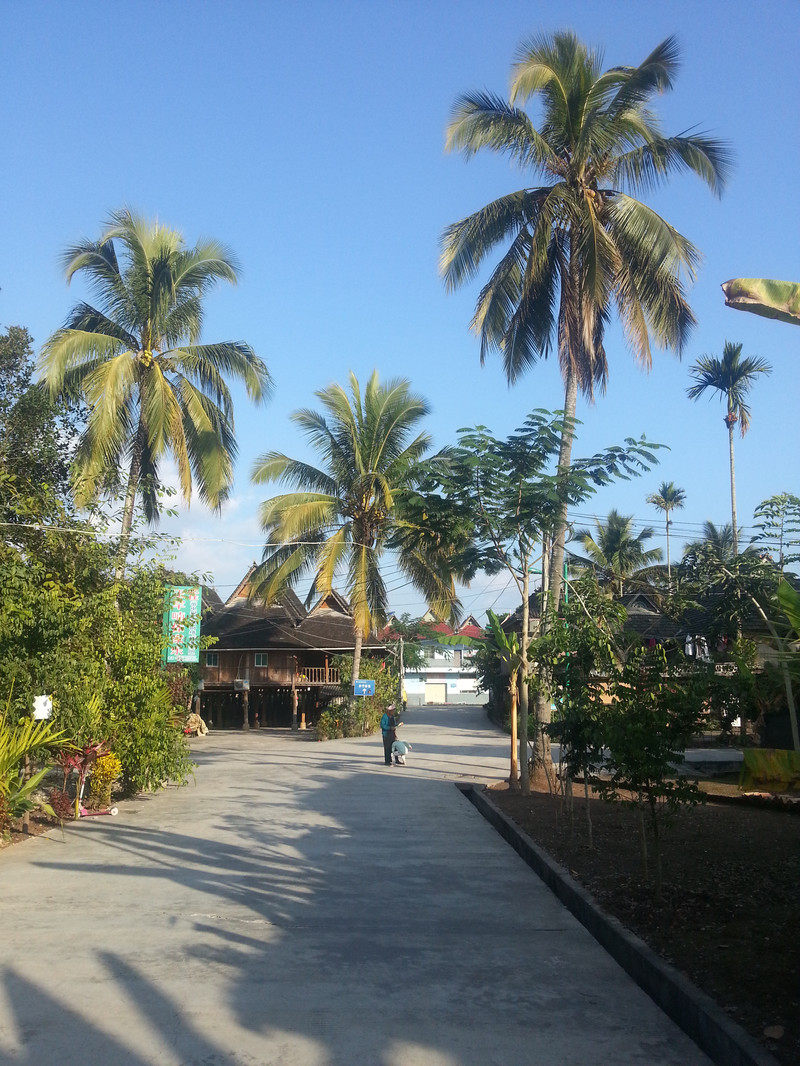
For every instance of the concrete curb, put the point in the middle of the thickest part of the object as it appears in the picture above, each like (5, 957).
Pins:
(726, 1043)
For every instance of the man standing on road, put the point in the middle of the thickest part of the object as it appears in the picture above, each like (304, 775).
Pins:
(389, 724)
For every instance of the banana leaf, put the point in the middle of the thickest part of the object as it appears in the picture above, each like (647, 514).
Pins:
(770, 299)
(790, 602)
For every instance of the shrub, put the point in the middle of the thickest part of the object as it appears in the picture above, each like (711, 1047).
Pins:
(357, 717)
(62, 805)
(360, 716)
(105, 772)
(151, 745)
(329, 725)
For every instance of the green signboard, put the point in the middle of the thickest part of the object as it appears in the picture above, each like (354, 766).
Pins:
(182, 608)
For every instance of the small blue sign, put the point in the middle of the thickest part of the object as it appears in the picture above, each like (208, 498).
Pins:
(363, 688)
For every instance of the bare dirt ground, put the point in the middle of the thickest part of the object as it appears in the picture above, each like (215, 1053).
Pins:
(730, 912)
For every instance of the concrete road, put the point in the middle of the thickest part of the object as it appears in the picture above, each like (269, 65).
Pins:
(302, 904)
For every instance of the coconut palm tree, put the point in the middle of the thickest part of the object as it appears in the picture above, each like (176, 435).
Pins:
(713, 549)
(668, 498)
(615, 551)
(136, 358)
(578, 247)
(732, 377)
(348, 512)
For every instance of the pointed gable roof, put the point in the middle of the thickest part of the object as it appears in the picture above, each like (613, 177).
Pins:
(470, 628)
(285, 624)
(244, 588)
(332, 601)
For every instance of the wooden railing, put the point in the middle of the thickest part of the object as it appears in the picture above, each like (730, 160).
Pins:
(316, 675)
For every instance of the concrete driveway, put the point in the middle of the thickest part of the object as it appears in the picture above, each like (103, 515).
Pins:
(304, 905)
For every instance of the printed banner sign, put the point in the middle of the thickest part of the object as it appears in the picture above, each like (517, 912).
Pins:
(182, 608)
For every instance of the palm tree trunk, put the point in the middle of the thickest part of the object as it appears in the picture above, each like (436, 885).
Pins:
(525, 782)
(359, 641)
(556, 581)
(733, 492)
(669, 568)
(730, 421)
(555, 577)
(134, 474)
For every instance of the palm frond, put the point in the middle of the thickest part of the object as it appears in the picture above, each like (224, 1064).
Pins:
(74, 353)
(483, 120)
(465, 244)
(281, 568)
(273, 466)
(650, 165)
(298, 514)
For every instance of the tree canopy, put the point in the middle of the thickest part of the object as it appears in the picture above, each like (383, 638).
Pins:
(347, 513)
(136, 359)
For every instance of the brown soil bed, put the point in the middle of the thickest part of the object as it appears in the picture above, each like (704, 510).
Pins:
(38, 823)
(730, 912)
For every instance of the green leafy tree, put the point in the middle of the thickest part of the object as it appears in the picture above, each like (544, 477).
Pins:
(94, 645)
(514, 494)
(649, 723)
(731, 588)
(489, 676)
(508, 650)
(404, 638)
(726, 584)
(732, 377)
(745, 693)
(668, 499)
(615, 552)
(136, 358)
(37, 434)
(358, 716)
(579, 652)
(778, 523)
(578, 246)
(348, 513)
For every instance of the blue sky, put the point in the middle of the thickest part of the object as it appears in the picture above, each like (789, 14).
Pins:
(309, 137)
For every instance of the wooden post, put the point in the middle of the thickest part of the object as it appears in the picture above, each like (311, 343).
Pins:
(245, 709)
(294, 692)
(26, 818)
(513, 777)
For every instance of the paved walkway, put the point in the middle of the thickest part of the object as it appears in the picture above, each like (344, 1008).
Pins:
(302, 904)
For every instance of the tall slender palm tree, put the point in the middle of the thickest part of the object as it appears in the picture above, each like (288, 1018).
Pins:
(351, 510)
(668, 498)
(732, 377)
(616, 551)
(136, 358)
(579, 246)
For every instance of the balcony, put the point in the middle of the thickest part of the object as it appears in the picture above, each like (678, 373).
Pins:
(316, 675)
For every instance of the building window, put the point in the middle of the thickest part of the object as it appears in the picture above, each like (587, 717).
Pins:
(261, 659)
(212, 658)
